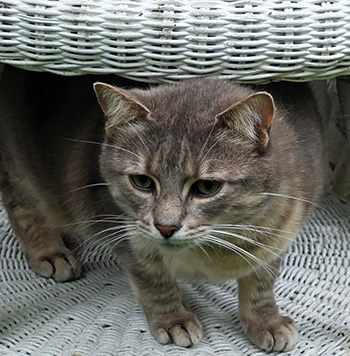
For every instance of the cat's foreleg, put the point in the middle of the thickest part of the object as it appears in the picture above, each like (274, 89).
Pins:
(42, 246)
(162, 302)
(265, 327)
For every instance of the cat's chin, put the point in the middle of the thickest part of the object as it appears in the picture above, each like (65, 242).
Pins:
(173, 247)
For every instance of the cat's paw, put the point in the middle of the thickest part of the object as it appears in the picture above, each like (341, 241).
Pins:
(61, 265)
(182, 329)
(278, 334)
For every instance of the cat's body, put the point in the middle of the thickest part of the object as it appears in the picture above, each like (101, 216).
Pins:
(189, 180)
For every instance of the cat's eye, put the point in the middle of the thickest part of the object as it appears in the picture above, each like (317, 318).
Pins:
(142, 182)
(206, 188)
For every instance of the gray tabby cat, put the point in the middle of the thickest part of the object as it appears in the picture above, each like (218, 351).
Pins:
(199, 179)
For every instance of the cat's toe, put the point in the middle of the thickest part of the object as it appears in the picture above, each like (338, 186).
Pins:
(61, 266)
(279, 334)
(186, 335)
(184, 330)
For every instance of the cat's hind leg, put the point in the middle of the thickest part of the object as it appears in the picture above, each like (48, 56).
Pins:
(265, 327)
(43, 247)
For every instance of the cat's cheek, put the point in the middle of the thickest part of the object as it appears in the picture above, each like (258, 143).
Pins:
(126, 199)
(123, 204)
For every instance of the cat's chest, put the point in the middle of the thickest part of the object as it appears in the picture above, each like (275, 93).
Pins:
(213, 267)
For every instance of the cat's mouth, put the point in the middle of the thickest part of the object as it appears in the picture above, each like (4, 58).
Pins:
(170, 239)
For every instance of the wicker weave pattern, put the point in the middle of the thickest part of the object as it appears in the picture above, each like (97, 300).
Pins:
(250, 41)
(97, 315)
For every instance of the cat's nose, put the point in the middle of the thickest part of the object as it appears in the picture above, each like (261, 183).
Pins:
(166, 231)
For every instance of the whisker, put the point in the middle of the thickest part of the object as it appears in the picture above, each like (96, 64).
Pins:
(94, 220)
(251, 241)
(98, 248)
(264, 230)
(214, 240)
(199, 244)
(294, 198)
(106, 145)
(243, 254)
(269, 231)
(113, 229)
(104, 243)
(94, 239)
(111, 242)
(81, 188)
(253, 227)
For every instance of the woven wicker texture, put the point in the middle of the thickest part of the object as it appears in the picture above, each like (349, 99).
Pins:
(98, 315)
(251, 41)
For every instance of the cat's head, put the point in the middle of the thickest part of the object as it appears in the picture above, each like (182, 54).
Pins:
(182, 158)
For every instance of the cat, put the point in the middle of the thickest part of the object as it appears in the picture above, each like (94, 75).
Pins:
(202, 178)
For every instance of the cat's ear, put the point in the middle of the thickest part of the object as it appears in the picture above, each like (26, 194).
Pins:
(251, 117)
(118, 107)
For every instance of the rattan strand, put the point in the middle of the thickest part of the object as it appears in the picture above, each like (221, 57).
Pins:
(155, 41)
(98, 315)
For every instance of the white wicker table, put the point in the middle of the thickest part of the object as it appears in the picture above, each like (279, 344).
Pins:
(247, 40)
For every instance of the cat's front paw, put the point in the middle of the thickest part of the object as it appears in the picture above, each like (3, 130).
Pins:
(277, 334)
(182, 329)
(61, 265)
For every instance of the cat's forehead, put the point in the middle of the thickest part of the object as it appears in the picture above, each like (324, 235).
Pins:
(180, 137)
(187, 157)
(197, 101)
(173, 157)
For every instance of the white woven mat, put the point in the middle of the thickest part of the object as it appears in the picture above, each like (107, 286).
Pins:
(158, 40)
(98, 315)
